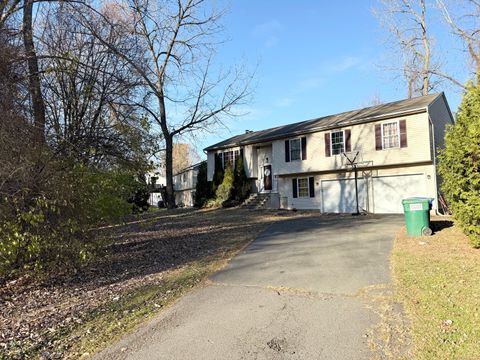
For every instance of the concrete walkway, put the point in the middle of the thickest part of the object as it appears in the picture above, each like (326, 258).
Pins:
(294, 293)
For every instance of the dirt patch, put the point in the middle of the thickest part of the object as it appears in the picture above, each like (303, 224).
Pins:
(389, 338)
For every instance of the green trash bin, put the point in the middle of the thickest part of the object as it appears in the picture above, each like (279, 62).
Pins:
(417, 216)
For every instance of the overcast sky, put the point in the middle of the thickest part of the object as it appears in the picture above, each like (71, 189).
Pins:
(315, 58)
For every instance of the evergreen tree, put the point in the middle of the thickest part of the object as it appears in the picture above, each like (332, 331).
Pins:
(224, 191)
(202, 189)
(241, 184)
(218, 173)
(460, 165)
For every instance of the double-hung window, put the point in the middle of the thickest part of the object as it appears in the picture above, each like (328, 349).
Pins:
(230, 157)
(390, 135)
(295, 149)
(338, 142)
(303, 187)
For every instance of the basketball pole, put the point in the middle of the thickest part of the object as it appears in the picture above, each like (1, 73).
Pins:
(354, 165)
(356, 188)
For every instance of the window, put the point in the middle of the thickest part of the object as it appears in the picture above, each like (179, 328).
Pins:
(184, 177)
(295, 149)
(390, 135)
(338, 144)
(230, 157)
(303, 187)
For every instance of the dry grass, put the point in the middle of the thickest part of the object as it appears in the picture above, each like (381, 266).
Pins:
(437, 278)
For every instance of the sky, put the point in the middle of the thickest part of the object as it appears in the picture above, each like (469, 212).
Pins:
(315, 58)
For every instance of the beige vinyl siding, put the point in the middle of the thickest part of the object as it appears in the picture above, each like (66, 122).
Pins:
(210, 165)
(250, 161)
(286, 191)
(363, 139)
(427, 173)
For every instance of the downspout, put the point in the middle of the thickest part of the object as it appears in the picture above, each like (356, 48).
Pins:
(434, 152)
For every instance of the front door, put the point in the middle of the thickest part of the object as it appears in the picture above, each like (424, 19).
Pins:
(267, 177)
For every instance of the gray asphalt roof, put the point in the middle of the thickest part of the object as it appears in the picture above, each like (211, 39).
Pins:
(331, 121)
(181, 171)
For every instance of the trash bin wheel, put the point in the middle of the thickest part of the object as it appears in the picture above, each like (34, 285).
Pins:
(426, 231)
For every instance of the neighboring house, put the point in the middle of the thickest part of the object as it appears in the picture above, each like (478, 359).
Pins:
(156, 181)
(184, 184)
(303, 165)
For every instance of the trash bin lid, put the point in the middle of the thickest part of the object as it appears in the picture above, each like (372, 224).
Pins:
(417, 200)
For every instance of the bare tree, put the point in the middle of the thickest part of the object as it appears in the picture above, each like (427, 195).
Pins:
(465, 23)
(7, 9)
(407, 22)
(182, 92)
(87, 92)
(38, 105)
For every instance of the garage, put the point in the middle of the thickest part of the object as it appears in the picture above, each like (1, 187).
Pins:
(389, 191)
(338, 196)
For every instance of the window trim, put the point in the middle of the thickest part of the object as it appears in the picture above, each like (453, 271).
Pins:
(331, 142)
(290, 145)
(308, 187)
(398, 134)
(235, 156)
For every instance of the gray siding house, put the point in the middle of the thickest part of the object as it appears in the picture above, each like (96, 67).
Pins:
(184, 185)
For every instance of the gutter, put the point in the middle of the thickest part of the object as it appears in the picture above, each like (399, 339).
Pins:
(434, 162)
(322, 128)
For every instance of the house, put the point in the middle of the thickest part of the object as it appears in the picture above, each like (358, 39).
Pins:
(304, 165)
(156, 181)
(184, 184)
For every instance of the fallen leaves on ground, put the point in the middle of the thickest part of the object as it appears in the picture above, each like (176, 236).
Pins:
(38, 318)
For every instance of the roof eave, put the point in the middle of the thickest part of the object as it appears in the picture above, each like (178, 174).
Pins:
(323, 128)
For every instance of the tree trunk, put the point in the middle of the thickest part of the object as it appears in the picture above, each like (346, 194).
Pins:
(38, 105)
(170, 194)
(426, 46)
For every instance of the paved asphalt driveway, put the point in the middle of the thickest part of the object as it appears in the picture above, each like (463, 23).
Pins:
(292, 294)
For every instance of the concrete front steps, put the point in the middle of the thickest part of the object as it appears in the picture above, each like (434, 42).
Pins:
(262, 201)
(256, 201)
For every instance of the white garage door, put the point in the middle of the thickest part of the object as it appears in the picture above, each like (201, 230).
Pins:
(389, 191)
(338, 196)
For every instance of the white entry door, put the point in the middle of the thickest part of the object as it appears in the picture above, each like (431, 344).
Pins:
(338, 196)
(389, 191)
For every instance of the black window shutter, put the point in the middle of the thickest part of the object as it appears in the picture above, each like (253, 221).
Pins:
(287, 150)
(403, 133)
(294, 188)
(348, 142)
(218, 160)
(327, 144)
(378, 137)
(241, 153)
(311, 186)
(304, 148)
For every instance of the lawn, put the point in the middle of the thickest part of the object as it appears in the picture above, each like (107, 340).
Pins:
(149, 263)
(437, 278)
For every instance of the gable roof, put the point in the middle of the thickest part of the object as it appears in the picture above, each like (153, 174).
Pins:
(377, 112)
(188, 168)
